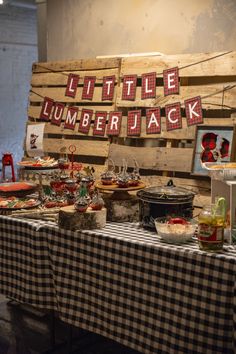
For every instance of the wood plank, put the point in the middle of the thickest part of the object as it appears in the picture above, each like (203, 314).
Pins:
(60, 78)
(214, 100)
(211, 96)
(83, 147)
(220, 121)
(186, 133)
(58, 94)
(206, 64)
(156, 158)
(81, 64)
(130, 55)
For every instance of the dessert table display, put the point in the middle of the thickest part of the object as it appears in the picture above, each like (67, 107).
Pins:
(124, 283)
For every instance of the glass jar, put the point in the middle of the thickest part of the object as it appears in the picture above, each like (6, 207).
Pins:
(211, 222)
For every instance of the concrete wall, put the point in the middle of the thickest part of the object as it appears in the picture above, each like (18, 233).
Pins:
(88, 28)
(18, 50)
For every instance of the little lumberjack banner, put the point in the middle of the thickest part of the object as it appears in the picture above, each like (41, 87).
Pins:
(54, 111)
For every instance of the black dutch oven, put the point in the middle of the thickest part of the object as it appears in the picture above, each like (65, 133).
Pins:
(169, 200)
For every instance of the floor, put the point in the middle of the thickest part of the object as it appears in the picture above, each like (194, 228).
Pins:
(24, 330)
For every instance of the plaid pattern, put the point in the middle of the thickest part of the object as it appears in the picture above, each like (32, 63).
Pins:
(210, 151)
(208, 140)
(153, 120)
(122, 282)
(173, 116)
(148, 86)
(134, 120)
(224, 149)
(71, 118)
(114, 123)
(25, 270)
(171, 85)
(100, 123)
(72, 83)
(88, 89)
(108, 88)
(46, 108)
(57, 113)
(129, 87)
(85, 120)
(193, 109)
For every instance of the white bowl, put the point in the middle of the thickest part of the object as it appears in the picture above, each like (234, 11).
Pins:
(175, 233)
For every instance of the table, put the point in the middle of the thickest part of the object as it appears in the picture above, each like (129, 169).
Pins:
(122, 282)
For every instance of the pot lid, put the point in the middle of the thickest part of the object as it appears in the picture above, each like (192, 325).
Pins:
(169, 191)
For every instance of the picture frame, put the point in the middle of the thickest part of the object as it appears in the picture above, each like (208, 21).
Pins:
(212, 144)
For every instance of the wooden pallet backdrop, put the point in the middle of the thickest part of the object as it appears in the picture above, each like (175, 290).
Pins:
(50, 80)
(168, 154)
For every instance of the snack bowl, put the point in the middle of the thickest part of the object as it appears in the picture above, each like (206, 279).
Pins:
(175, 230)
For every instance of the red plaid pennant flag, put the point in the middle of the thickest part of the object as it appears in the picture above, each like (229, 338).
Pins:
(148, 86)
(173, 116)
(193, 109)
(114, 123)
(134, 122)
(153, 120)
(71, 117)
(72, 84)
(129, 87)
(46, 108)
(88, 89)
(208, 143)
(85, 120)
(57, 113)
(100, 123)
(108, 88)
(171, 81)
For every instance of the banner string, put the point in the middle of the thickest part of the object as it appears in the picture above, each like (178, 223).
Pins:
(226, 88)
(204, 60)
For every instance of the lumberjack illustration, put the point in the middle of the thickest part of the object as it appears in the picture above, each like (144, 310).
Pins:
(33, 138)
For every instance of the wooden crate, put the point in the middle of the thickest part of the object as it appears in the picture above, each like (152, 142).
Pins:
(160, 156)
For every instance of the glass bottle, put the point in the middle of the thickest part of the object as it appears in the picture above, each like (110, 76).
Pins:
(211, 222)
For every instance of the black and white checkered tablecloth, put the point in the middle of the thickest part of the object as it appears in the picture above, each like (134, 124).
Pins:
(124, 283)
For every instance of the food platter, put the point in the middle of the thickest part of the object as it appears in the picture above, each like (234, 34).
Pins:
(114, 187)
(15, 203)
(17, 188)
(118, 192)
(39, 163)
(221, 171)
(212, 166)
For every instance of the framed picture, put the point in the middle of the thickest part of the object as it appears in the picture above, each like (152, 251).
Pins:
(212, 144)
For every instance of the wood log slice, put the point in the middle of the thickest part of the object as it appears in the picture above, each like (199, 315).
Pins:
(71, 219)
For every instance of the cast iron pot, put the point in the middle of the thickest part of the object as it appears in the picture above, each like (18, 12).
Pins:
(159, 201)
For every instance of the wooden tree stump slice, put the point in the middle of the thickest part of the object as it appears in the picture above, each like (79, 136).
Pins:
(71, 219)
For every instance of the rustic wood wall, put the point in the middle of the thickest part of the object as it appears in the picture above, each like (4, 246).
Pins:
(50, 79)
(168, 154)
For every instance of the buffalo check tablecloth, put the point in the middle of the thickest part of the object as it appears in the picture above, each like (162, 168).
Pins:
(124, 283)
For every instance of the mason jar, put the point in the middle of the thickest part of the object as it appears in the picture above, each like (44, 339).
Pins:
(211, 222)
